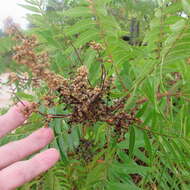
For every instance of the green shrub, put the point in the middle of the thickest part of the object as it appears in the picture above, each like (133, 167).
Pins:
(143, 142)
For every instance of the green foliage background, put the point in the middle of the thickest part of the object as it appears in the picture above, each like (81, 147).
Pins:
(63, 29)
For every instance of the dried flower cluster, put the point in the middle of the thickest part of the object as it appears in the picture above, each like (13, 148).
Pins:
(96, 46)
(88, 104)
(22, 79)
(85, 150)
(49, 100)
(13, 77)
(29, 109)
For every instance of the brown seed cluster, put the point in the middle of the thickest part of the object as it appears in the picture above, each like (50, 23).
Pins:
(38, 63)
(88, 104)
(49, 101)
(96, 46)
(13, 77)
(21, 78)
(29, 109)
(85, 150)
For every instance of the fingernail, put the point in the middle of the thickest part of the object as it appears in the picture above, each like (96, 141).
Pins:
(52, 155)
(46, 132)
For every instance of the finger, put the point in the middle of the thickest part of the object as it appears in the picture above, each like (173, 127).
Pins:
(21, 172)
(13, 118)
(18, 150)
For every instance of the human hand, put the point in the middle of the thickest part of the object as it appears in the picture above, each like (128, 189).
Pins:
(13, 172)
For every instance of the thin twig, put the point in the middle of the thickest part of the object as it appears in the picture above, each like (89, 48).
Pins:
(19, 100)
(76, 51)
(159, 96)
(157, 133)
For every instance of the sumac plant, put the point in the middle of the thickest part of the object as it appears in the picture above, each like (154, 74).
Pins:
(112, 79)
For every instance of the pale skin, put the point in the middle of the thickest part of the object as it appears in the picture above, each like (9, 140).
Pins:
(14, 171)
